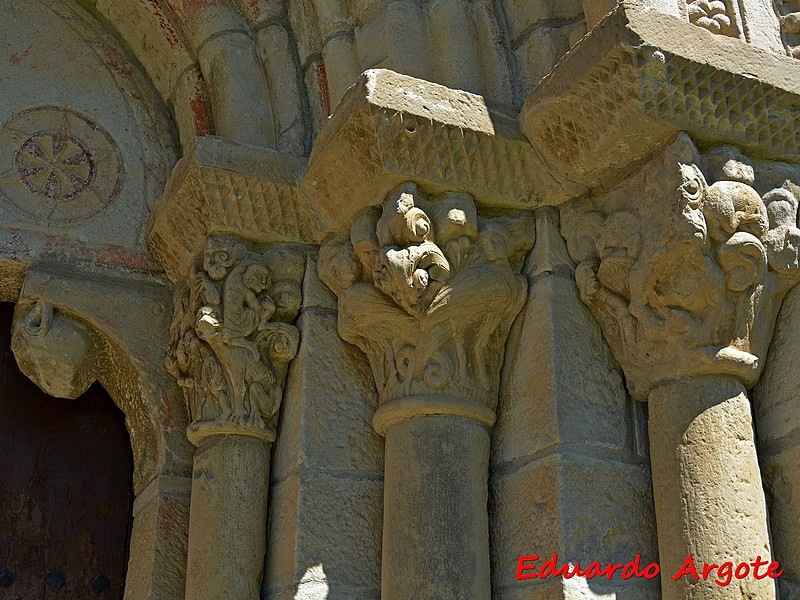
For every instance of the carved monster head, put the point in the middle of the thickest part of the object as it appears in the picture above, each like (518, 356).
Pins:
(698, 293)
(57, 353)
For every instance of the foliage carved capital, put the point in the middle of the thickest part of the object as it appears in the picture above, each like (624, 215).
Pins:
(232, 337)
(428, 290)
(685, 264)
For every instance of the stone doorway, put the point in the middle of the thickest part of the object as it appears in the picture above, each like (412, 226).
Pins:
(66, 469)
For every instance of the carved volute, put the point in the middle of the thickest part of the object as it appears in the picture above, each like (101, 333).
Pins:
(685, 266)
(428, 290)
(232, 337)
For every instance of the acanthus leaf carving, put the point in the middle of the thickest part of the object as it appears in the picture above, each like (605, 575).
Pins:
(428, 290)
(688, 283)
(232, 337)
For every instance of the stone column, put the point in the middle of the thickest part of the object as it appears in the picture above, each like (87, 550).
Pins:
(429, 293)
(228, 517)
(231, 345)
(686, 287)
(702, 448)
(435, 518)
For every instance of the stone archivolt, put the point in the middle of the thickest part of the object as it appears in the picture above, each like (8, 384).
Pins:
(691, 285)
(428, 291)
(232, 337)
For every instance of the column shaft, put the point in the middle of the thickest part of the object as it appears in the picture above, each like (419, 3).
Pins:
(436, 523)
(707, 486)
(228, 518)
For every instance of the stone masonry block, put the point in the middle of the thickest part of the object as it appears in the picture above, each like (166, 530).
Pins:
(539, 52)
(335, 523)
(158, 541)
(330, 397)
(560, 383)
(578, 589)
(781, 473)
(524, 516)
(524, 14)
(582, 508)
(777, 393)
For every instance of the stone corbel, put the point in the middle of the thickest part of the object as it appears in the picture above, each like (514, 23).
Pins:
(686, 283)
(429, 290)
(231, 342)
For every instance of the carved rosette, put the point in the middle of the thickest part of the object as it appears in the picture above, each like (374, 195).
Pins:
(685, 265)
(428, 290)
(232, 337)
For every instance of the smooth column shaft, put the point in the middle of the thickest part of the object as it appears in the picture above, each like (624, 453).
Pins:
(436, 525)
(228, 518)
(708, 495)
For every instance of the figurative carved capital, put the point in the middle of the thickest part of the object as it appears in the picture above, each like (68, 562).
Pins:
(428, 290)
(232, 337)
(685, 264)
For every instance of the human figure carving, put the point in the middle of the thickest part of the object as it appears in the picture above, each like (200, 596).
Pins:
(231, 356)
(245, 311)
(425, 289)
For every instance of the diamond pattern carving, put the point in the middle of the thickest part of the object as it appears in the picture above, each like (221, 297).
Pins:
(374, 144)
(202, 199)
(592, 118)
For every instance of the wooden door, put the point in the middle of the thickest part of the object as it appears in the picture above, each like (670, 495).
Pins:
(65, 489)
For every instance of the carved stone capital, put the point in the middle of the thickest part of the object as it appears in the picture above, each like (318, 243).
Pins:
(685, 263)
(232, 338)
(428, 290)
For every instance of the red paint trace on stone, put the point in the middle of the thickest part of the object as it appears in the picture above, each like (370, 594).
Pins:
(114, 59)
(200, 119)
(15, 59)
(103, 254)
(169, 30)
(322, 84)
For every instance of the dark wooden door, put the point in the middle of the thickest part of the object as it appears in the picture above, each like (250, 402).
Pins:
(65, 489)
